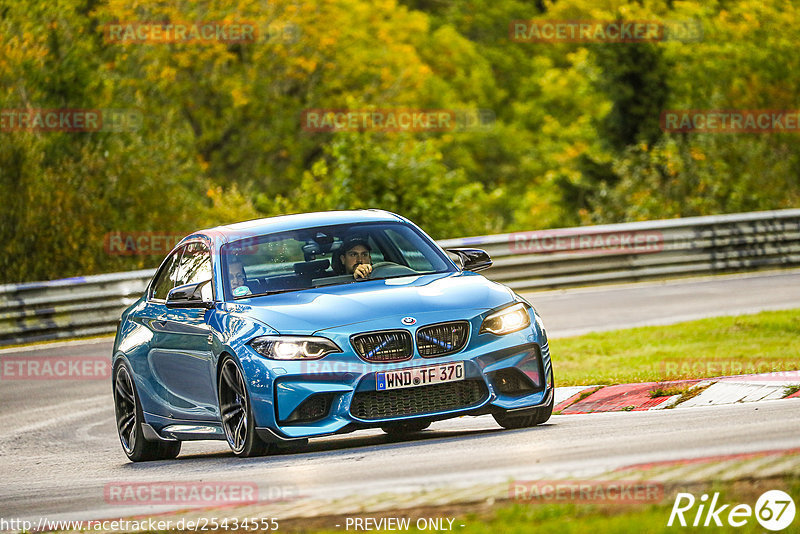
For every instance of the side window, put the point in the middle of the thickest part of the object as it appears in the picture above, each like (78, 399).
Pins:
(166, 277)
(195, 267)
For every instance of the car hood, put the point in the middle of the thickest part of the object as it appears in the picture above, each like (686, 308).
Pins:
(311, 310)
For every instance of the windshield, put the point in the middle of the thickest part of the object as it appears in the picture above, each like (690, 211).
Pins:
(330, 255)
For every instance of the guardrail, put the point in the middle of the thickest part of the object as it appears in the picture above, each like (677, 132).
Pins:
(642, 250)
(541, 259)
(80, 306)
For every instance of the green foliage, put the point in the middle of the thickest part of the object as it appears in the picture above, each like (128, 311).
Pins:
(576, 138)
(696, 349)
(361, 171)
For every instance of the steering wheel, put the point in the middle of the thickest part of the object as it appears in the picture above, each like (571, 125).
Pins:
(384, 269)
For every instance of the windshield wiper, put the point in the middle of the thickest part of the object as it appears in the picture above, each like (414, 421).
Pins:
(342, 282)
(402, 275)
(273, 292)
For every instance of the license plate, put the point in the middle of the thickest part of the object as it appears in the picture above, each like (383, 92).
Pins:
(420, 376)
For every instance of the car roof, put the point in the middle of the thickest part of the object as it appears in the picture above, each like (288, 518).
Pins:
(282, 223)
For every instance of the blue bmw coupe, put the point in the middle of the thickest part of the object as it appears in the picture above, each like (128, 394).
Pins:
(273, 331)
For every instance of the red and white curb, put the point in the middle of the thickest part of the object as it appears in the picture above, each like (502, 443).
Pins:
(639, 397)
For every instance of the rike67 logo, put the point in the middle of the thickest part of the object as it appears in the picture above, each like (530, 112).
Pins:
(774, 510)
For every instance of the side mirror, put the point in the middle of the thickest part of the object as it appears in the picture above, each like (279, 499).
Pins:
(190, 296)
(472, 259)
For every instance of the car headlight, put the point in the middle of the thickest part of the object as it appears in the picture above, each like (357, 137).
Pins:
(507, 320)
(294, 347)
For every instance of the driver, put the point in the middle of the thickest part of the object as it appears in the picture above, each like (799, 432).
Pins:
(238, 278)
(356, 258)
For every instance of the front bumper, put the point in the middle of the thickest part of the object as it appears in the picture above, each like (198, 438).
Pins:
(299, 399)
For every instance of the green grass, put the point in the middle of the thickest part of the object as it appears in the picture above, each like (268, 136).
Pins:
(791, 390)
(577, 519)
(581, 518)
(668, 391)
(763, 342)
(690, 393)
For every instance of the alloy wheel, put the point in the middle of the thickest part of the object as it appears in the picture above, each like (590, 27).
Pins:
(125, 408)
(233, 405)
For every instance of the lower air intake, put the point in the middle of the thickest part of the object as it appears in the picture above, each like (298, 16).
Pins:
(375, 405)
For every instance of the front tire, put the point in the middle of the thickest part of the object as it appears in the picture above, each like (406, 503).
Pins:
(236, 412)
(129, 417)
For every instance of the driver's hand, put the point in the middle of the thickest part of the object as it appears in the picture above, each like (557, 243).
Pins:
(362, 271)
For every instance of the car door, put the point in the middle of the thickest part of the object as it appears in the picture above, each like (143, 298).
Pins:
(181, 359)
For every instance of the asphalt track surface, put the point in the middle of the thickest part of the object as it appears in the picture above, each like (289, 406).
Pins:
(59, 448)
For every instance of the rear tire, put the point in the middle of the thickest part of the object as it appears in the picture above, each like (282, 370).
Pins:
(402, 429)
(129, 418)
(541, 415)
(236, 412)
